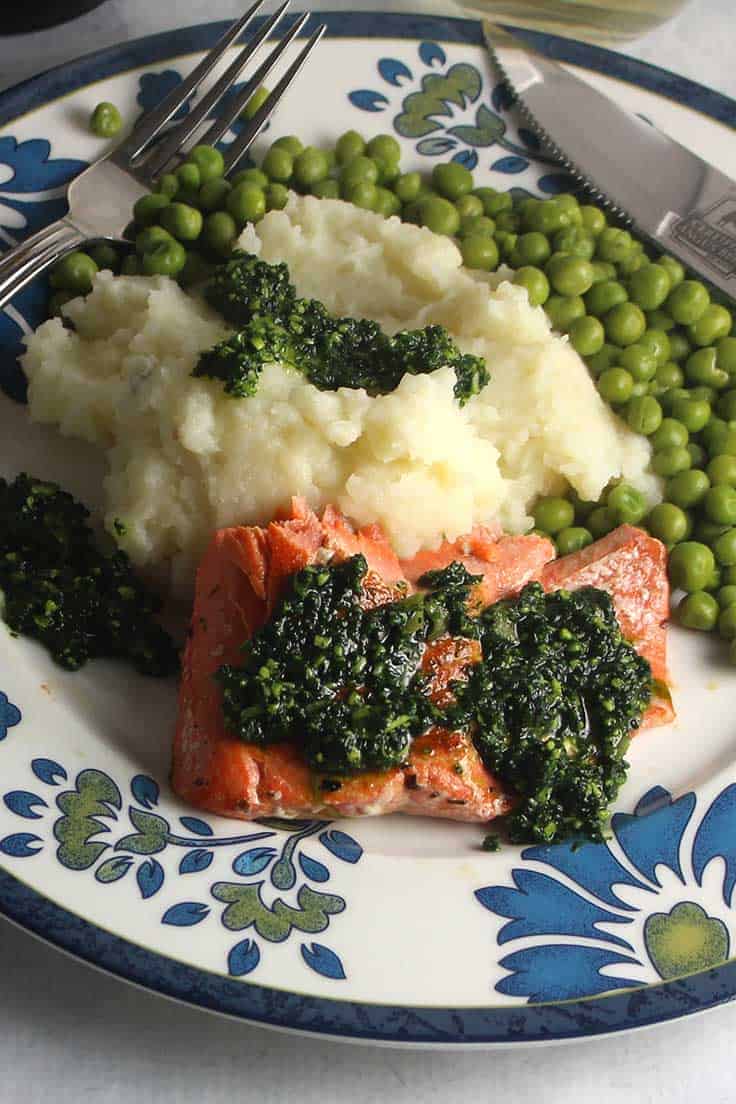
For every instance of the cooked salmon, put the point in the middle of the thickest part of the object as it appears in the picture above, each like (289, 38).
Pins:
(241, 578)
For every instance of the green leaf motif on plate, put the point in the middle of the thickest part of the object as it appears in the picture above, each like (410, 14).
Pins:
(488, 129)
(245, 907)
(685, 940)
(152, 834)
(95, 795)
(461, 84)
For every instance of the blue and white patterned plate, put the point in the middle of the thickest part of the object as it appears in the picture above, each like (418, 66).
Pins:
(391, 930)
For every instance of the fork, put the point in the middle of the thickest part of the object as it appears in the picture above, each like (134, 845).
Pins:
(101, 197)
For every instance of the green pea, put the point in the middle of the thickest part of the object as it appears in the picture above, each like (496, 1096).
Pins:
(693, 413)
(362, 193)
(246, 203)
(130, 266)
(726, 405)
(106, 120)
(75, 273)
(698, 455)
(293, 145)
(722, 470)
(569, 275)
(635, 260)
(219, 232)
(698, 610)
(727, 623)
(572, 539)
(607, 357)
(104, 255)
(638, 360)
(479, 251)
(551, 515)
(680, 347)
(640, 389)
(439, 215)
(385, 147)
(687, 488)
(719, 504)
(469, 206)
(277, 196)
(167, 185)
(669, 376)
(660, 320)
(349, 145)
(587, 335)
(604, 296)
(452, 180)
(562, 310)
(253, 176)
(728, 576)
(58, 300)
(358, 171)
(188, 177)
(644, 415)
(547, 217)
(600, 522)
(330, 189)
(674, 269)
(714, 323)
(574, 241)
(507, 220)
(164, 259)
(581, 506)
(407, 187)
(726, 354)
(387, 204)
(613, 245)
(568, 203)
(668, 523)
(669, 398)
(670, 461)
(657, 343)
(476, 224)
(718, 437)
(256, 101)
(535, 282)
(691, 566)
(149, 238)
(506, 242)
(494, 202)
(593, 219)
(615, 386)
(312, 165)
(626, 504)
(688, 302)
(649, 286)
(278, 165)
(602, 271)
(531, 248)
(701, 368)
(726, 596)
(724, 546)
(148, 208)
(624, 324)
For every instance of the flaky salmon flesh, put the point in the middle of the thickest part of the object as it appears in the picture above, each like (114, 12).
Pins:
(240, 580)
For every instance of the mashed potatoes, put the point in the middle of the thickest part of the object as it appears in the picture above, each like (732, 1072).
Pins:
(184, 458)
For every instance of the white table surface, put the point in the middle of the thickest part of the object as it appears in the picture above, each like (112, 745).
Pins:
(69, 1033)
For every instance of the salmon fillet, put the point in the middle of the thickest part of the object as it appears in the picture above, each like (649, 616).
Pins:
(241, 578)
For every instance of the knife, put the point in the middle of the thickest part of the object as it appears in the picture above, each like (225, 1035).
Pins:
(686, 206)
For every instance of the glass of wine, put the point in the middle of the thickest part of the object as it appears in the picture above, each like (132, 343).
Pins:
(593, 19)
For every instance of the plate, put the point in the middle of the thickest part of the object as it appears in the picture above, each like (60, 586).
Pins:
(393, 930)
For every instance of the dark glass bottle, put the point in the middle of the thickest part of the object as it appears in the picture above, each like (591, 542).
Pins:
(34, 15)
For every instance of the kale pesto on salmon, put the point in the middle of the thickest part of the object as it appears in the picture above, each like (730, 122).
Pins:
(324, 677)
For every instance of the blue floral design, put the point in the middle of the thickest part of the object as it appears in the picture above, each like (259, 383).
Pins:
(593, 918)
(10, 715)
(451, 112)
(94, 807)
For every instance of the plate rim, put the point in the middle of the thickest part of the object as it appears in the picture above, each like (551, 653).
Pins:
(416, 1026)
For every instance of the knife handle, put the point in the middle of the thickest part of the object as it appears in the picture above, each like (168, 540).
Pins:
(704, 238)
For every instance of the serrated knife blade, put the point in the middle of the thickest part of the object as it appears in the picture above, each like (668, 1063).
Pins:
(686, 206)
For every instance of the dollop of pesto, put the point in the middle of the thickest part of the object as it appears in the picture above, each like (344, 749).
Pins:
(550, 706)
(60, 588)
(274, 325)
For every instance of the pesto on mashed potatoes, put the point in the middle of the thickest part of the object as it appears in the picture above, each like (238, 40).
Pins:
(185, 459)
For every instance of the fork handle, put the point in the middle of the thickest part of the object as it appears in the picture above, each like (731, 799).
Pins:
(33, 256)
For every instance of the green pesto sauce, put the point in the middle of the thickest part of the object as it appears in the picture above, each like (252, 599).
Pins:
(58, 587)
(274, 325)
(550, 707)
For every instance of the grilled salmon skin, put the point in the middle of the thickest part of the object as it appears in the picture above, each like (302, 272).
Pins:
(241, 578)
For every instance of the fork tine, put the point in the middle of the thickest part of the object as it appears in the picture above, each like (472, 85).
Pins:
(240, 146)
(172, 144)
(224, 121)
(154, 120)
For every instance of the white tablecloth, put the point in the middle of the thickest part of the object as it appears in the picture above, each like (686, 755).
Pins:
(68, 1033)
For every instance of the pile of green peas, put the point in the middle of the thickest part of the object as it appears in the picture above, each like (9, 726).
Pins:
(662, 353)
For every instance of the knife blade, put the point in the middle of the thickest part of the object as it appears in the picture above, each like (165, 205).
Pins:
(686, 206)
